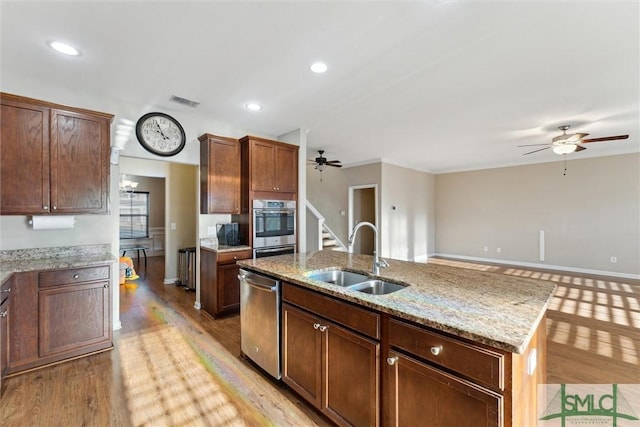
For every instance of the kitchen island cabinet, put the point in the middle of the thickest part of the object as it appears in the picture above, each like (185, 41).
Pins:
(458, 347)
(5, 297)
(332, 366)
(54, 158)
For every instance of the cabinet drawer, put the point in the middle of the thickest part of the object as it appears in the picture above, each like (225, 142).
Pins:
(359, 319)
(73, 275)
(231, 257)
(482, 365)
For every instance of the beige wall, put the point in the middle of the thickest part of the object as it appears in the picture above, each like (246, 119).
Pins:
(588, 216)
(331, 195)
(182, 201)
(408, 231)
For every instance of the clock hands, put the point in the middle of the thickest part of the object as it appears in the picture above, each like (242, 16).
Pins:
(160, 130)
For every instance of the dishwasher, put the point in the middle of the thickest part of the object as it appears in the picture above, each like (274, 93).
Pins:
(260, 320)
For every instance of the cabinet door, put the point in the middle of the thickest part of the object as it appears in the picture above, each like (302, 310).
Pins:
(72, 317)
(4, 332)
(24, 159)
(220, 176)
(286, 169)
(228, 288)
(302, 346)
(79, 163)
(419, 394)
(351, 373)
(263, 166)
(208, 271)
(23, 321)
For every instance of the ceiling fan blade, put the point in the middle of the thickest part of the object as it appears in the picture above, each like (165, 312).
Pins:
(334, 165)
(579, 148)
(532, 145)
(333, 162)
(535, 151)
(606, 138)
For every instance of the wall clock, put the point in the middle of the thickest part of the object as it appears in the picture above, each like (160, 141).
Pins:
(160, 134)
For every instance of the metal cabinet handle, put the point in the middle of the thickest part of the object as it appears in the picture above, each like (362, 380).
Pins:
(5, 291)
(45, 208)
(316, 325)
(55, 207)
(75, 276)
(106, 286)
(436, 350)
(323, 328)
(3, 314)
(392, 360)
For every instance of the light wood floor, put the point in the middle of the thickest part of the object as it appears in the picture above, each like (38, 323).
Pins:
(153, 378)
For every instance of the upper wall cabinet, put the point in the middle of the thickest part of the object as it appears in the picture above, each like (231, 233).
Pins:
(219, 175)
(53, 158)
(272, 167)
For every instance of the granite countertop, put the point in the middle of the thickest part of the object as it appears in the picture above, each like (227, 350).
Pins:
(212, 244)
(495, 309)
(14, 261)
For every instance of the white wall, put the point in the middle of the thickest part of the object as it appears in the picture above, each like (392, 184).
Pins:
(588, 216)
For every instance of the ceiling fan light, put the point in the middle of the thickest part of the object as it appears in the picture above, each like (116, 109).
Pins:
(564, 148)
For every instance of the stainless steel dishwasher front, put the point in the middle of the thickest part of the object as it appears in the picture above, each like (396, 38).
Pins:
(260, 320)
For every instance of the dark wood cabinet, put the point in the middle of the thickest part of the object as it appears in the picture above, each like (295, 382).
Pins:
(219, 175)
(330, 365)
(57, 315)
(273, 165)
(219, 284)
(53, 158)
(5, 298)
(419, 394)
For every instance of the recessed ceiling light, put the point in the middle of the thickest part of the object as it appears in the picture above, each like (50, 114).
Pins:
(318, 67)
(63, 48)
(252, 106)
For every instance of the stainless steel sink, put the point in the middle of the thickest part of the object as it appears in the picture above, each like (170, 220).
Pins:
(355, 281)
(338, 277)
(377, 287)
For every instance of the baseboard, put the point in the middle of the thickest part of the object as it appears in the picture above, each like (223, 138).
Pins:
(543, 266)
(170, 281)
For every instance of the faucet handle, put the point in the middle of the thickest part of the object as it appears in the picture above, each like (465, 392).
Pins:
(382, 263)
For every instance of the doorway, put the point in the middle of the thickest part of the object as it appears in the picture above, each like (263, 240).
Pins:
(363, 206)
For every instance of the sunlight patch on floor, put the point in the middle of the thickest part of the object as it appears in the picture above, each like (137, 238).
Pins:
(166, 384)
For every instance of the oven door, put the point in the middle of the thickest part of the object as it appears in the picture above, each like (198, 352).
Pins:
(271, 223)
(273, 251)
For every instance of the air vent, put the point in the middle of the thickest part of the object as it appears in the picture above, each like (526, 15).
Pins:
(184, 101)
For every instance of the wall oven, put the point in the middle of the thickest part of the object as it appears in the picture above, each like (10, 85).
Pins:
(274, 227)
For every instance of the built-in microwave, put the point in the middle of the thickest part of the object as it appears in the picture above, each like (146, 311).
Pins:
(274, 223)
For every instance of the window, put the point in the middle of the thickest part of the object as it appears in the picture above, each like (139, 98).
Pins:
(134, 215)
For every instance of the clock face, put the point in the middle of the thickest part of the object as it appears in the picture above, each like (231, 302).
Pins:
(160, 134)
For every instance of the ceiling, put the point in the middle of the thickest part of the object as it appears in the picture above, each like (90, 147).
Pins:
(432, 85)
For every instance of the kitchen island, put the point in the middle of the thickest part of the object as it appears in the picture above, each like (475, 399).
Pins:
(459, 346)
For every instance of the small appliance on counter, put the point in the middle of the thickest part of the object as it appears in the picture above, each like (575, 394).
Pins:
(228, 234)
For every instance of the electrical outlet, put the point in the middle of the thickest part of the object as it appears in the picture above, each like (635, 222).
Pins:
(499, 250)
(173, 225)
(211, 231)
(486, 248)
(613, 259)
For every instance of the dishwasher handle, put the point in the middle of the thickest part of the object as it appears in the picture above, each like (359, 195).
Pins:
(258, 281)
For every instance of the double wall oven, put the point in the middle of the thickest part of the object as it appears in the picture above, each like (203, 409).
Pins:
(274, 227)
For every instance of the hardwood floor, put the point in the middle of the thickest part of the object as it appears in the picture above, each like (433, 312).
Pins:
(171, 365)
(174, 365)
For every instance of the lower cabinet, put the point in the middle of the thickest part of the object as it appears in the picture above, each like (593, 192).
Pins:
(219, 284)
(5, 294)
(57, 315)
(331, 365)
(419, 394)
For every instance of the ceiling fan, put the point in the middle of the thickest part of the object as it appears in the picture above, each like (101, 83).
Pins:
(321, 162)
(568, 143)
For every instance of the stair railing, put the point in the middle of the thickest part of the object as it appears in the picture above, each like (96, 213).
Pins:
(322, 226)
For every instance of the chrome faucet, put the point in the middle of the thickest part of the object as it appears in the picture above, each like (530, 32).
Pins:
(377, 262)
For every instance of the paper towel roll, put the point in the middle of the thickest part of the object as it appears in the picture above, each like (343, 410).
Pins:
(52, 222)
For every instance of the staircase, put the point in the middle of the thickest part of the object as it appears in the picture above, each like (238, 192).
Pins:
(321, 233)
